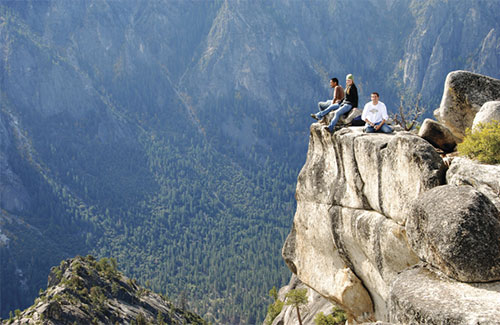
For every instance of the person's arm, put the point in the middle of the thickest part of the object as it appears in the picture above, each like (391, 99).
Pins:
(379, 125)
(384, 116)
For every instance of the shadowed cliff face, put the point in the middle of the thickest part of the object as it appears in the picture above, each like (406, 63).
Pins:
(101, 99)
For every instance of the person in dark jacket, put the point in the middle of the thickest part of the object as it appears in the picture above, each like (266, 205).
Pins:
(350, 100)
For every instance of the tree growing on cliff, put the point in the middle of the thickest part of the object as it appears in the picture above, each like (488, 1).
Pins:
(275, 308)
(297, 298)
(409, 112)
(337, 317)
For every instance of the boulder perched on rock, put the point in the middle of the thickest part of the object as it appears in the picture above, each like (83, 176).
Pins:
(489, 111)
(484, 178)
(456, 229)
(464, 94)
(438, 135)
(420, 295)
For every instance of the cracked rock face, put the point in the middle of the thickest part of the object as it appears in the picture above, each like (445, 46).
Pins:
(353, 196)
(464, 94)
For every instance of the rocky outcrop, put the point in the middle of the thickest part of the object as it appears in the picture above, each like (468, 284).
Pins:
(464, 94)
(352, 202)
(86, 291)
(490, 111)
(373, 209)
(438, 135)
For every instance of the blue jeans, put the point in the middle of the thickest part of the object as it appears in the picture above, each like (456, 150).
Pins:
(385, 128)
(339, 111)
(324, 105)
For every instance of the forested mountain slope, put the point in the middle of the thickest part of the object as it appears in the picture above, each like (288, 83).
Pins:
(169, 134)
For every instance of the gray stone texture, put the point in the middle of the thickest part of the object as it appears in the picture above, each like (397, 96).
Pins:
(464, 94)
(456, 229)
(438, 135)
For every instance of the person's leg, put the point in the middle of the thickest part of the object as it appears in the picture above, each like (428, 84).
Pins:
(338, 113)
(369, 129)
(323, 105)
(330, 108)
(385, 128)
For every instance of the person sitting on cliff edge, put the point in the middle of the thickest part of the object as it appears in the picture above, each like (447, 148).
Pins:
(375, 116)
(345, 105)
(338, 95)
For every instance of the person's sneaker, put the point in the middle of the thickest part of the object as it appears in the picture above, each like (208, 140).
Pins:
(314, 117)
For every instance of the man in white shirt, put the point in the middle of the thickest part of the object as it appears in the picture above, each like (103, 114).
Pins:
(375, 115)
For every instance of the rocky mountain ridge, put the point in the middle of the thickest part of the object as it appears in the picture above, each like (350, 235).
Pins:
(83, 290)
(388, 231)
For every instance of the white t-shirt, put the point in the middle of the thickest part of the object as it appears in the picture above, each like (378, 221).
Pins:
(375, 113)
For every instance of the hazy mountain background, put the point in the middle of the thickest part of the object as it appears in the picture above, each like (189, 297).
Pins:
(169, 134)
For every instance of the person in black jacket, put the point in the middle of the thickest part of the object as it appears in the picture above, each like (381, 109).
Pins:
(350, 100)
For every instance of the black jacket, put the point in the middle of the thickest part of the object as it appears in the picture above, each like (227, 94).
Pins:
(351, 98)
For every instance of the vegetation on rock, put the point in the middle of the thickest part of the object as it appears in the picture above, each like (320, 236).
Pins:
(482, 143)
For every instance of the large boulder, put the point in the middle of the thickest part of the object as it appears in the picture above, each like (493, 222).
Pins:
(438, 135)
(464, 94)
(420, 295)
(489, 111)
(456, 229)
(484, 178)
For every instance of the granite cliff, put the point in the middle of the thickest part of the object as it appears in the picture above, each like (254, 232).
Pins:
(390, 231)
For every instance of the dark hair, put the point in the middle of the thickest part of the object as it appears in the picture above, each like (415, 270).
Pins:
(335, 80)
(376, 93)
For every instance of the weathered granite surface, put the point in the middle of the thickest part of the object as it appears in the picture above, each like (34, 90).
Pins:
(421, 295)
(368, 171)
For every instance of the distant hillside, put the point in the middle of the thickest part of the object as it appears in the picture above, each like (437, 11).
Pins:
(169, 134)
(83, 290)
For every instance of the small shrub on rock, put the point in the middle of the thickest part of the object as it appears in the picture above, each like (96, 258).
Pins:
(483, 143)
